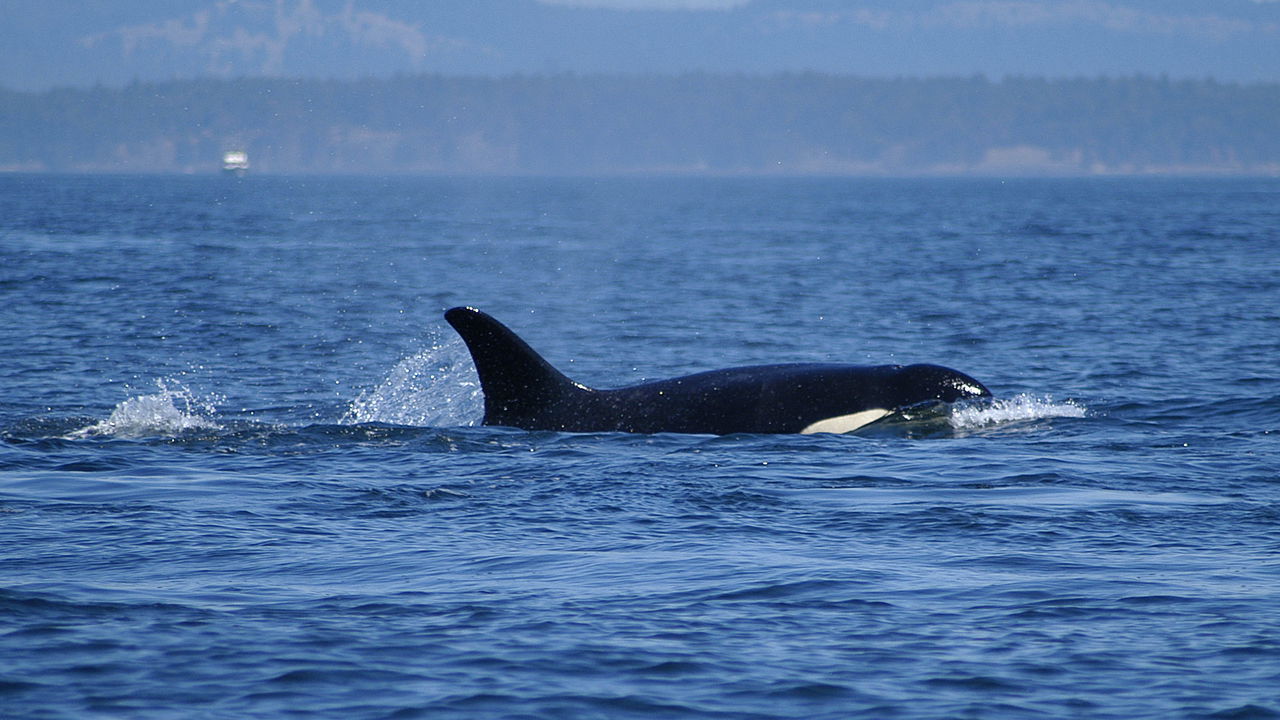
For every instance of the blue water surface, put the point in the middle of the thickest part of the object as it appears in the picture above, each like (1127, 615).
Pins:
(242, 472)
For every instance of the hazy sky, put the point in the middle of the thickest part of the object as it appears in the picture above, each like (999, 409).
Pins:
(46, 43)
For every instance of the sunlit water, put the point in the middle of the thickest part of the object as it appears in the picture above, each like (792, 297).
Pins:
(243, 474)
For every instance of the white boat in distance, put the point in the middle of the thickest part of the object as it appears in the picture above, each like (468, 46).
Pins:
(235, 162)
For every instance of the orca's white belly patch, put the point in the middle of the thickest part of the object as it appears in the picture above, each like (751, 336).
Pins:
(845, 423)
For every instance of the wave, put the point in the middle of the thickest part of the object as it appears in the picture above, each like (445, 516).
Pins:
(174, 410)
(931, 495)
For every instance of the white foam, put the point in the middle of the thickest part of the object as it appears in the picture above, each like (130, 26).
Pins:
(437, 387)
(172, 410)
(1019, 408)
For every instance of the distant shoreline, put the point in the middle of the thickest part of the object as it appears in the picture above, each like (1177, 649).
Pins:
(694, 124)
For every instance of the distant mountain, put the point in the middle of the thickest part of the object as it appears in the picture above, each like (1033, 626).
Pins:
(84, 42)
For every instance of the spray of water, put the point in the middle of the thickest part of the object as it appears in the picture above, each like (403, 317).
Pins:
(436, 387)
(1019, 408)
(173, 409)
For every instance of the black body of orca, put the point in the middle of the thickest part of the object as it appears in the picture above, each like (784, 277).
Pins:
(523, 390)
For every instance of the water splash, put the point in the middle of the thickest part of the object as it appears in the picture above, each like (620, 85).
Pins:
(1016, 409)
(173, 410)
(436, 387)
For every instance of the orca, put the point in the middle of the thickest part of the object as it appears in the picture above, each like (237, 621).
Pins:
(523, 390)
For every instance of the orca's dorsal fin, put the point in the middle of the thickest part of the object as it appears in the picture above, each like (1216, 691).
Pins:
(517, 382)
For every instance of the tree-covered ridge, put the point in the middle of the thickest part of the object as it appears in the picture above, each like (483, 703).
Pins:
(570, 124)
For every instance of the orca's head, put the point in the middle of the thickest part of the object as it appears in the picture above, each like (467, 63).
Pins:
(934, 383)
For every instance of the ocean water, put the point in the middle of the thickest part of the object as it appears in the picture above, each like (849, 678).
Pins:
(242, 473)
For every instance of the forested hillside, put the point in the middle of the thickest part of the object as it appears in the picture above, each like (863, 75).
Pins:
(725, 124)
